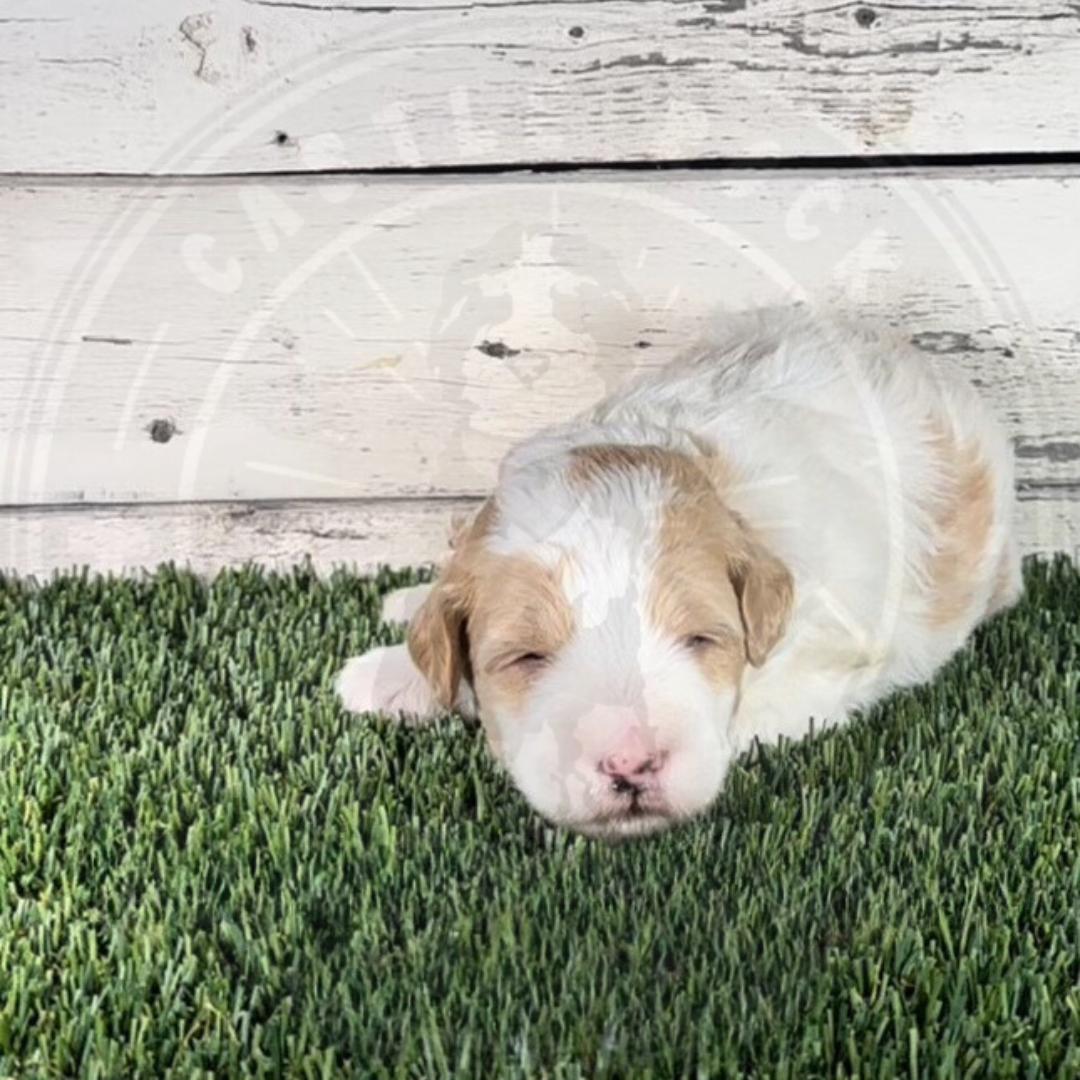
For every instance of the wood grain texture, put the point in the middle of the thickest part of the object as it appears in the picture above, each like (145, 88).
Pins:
(205, 537)
(322, 339)
(165, 86)
(357, 534)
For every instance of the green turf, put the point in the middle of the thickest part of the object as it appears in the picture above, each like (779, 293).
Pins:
(207, 869)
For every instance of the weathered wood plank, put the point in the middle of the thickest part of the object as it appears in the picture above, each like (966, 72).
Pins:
(272, 85)
(363, 535)
(206, 537)
(327, 338)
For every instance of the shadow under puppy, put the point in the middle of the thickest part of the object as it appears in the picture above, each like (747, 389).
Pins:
(782, 526)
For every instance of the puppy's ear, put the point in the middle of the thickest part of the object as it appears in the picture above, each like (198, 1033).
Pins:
(438, 633)
(766, 590)
(437, 638)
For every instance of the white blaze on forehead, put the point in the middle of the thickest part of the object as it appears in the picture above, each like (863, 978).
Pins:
(601, 539)
(607, 562)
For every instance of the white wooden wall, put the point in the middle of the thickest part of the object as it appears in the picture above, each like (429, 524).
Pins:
(284, 278)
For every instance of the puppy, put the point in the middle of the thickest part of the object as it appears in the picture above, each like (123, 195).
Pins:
(782, 526)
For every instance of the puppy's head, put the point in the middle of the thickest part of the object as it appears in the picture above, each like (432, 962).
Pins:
(603, 606)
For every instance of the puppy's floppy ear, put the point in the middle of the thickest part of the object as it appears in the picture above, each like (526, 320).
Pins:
(437, 638)
(766, 590)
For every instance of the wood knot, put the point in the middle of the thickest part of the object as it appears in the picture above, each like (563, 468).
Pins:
(161, 431)
(497, 350)
(865, 17)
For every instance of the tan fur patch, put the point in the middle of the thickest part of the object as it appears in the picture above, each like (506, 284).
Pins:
(691, 591)
(722, 656)
(711, 576)
(436, 636)
(589, 463)
(961, 521)
(471, 529)
(520, 608)
(484, 610)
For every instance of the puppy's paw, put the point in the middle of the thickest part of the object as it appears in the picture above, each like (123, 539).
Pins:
(402, 604)
(385, 680)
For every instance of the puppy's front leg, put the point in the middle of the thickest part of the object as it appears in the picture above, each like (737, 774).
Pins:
(385, 680)
(402, 604)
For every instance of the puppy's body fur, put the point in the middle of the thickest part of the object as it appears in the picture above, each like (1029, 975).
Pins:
(778, 528)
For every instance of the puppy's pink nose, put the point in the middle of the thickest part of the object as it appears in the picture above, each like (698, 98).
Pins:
(634, 759)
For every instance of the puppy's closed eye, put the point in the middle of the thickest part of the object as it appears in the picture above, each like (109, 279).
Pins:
(718, 652)
(720, 637)
(521, 661)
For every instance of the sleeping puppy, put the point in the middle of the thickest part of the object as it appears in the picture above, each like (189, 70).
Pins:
(780, 527)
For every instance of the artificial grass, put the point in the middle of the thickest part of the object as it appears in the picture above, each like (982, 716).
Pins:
(208, 869)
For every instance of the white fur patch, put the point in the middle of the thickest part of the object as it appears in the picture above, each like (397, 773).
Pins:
(401, 605)
(385, 680)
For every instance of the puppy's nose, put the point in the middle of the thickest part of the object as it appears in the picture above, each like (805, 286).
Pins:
(632, 766)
